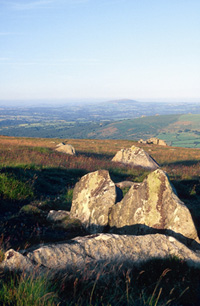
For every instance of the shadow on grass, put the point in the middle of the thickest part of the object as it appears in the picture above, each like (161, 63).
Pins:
(156, 281)
(48, 182)
(142, 229)
(101, 156)
(187, 163)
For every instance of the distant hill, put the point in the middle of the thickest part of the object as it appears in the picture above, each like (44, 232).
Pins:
(176, 123)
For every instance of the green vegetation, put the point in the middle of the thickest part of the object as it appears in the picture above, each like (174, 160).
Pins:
(155, 283)
(30, 210)
(27, 291)
(14, 189)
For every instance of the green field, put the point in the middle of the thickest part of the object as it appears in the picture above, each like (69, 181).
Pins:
(179, 130)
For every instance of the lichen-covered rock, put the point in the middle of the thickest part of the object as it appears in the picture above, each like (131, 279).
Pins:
(66, 148)
(136, 157)
(93, 196)
(97, 248)
(153, 206)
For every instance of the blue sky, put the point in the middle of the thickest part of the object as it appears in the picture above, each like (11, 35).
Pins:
(100, 49)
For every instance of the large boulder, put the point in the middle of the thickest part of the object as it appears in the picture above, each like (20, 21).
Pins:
(99, 248)
(93, 197)
(136, 157)
(65, 148)
(153, 207)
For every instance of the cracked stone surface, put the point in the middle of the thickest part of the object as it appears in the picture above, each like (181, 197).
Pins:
(98, 247)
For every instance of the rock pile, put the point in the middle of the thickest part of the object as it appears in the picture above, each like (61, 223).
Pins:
(158, 225)
(154, 140)
(135, 156)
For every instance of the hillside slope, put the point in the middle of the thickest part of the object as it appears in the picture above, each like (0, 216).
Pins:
(176, 130)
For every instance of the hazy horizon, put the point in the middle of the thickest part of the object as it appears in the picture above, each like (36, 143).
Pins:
(65, 102)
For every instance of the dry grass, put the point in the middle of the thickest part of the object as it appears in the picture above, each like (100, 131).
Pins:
(179, 163)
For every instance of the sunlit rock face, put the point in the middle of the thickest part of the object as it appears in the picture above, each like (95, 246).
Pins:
(66, 148)
(154, 205)
(135, 156)
(93, 197)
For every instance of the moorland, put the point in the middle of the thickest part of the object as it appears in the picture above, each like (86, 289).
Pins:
(35, 179)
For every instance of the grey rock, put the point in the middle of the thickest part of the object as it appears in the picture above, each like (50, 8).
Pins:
(93, 197)
(153, 206)
(156, 141)
(153, 140)
(135, 156)
(66, 148)
(96, 248)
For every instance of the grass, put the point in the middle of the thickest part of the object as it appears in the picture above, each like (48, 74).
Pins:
(35, 179)
(13, 189)
(26, 290)
(155, 283)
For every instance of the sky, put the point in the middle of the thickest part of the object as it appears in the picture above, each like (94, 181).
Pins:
(146, 50)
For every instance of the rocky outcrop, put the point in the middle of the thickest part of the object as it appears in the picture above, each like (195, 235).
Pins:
(135, 156)
(152, 207)
(153, 140)
(65, 148)
(93, 197)
(97, 248)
